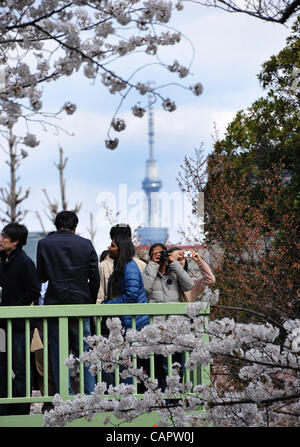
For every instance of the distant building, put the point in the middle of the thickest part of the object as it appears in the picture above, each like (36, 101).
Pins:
(152, 231)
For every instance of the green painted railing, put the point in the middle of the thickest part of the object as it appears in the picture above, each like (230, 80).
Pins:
(199, 376)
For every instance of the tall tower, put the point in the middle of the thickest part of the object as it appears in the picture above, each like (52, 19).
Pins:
(151, 184)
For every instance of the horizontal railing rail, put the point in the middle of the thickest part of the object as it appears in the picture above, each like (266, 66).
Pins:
(90, 310)
(10, 314)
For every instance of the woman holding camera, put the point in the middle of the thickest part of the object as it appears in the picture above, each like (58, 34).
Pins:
(164, 278)
(207, 278)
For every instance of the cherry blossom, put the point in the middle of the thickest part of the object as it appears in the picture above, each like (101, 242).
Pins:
(43, 41)
(269, 373)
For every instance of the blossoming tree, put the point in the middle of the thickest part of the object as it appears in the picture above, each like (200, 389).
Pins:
(250, 182)
(267, 397)
(277, 11)
(42, 41)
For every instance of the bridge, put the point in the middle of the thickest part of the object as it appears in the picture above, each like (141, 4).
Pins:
(201, 375)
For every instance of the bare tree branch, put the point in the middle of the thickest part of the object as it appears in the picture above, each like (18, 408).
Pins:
(11, 195)
(92, 231)
(53, 205)
(278, 11)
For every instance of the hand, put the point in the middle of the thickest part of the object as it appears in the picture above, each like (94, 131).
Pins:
(172, 257)
(196, 257)
(175, 255)
(156, 257)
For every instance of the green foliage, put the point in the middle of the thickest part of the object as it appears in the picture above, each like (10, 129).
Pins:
(268, 132)
(281, 71)
(252, 193)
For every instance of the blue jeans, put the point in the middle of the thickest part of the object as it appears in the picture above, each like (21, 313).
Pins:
(89, 380)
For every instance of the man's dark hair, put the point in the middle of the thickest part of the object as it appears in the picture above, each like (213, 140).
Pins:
(120, 229)
(157, 244)
(16, 232)
(66, 219)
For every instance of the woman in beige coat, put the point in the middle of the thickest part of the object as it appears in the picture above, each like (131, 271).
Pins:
(207, 279)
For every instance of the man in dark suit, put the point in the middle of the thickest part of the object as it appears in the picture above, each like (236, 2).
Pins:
(69, 264)
(20, 287)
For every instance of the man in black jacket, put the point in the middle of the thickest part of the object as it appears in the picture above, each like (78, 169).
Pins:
(69, 264)
(20, 287)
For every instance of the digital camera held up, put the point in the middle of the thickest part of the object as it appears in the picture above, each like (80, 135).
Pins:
(188, 254)
(164, 255)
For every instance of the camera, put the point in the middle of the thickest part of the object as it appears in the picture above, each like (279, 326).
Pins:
(187, 254)
(164, 255)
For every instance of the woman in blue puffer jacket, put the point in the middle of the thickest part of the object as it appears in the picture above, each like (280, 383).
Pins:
(125, 284)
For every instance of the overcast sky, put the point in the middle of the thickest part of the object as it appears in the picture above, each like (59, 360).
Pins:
(229, 51)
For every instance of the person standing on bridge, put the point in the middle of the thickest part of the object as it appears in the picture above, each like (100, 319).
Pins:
(70, 265)
(20, 287)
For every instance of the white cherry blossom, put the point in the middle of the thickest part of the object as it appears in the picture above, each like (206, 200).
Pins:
(269, 374)
(57, 38)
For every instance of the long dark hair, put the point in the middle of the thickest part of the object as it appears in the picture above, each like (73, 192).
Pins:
(126, 253)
